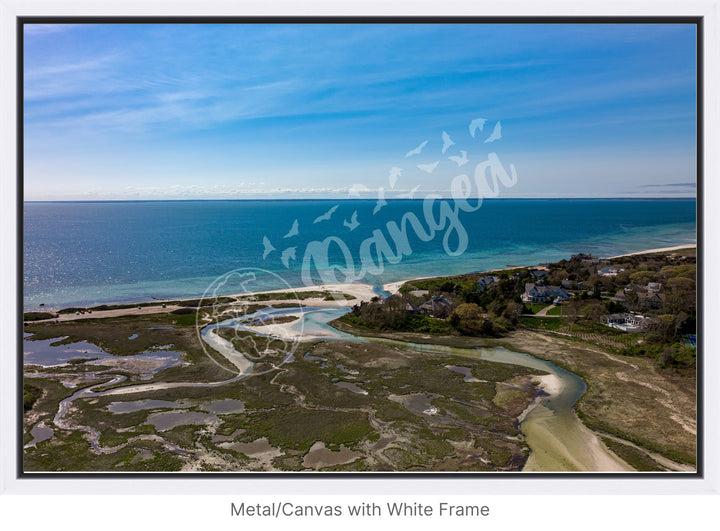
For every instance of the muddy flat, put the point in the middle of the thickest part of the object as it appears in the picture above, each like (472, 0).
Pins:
(320, 457)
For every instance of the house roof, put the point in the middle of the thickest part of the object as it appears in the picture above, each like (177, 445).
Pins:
(634, 287)
(435, 303)
(547, 291)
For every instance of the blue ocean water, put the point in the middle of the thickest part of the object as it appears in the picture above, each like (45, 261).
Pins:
(87, 253)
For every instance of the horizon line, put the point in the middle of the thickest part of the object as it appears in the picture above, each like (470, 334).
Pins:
(389, 200)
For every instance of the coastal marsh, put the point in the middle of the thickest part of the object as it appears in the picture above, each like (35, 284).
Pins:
(354, 398)
(294, 409)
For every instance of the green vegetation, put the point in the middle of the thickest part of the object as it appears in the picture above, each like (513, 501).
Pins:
(69, 451)
(679, 455)
(189, 303)
(402, 321)
(632, 456)
(292, 408)
(37, 316)
(298, 428)
(152, 331)
(30, 395)
(414, 409)
(660, 286)
(535, 307)
(298, 295)
(542, 324)
(675, 355)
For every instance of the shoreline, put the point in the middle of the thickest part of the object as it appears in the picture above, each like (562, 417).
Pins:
(586, 442)
(361, 291)
(659, 250)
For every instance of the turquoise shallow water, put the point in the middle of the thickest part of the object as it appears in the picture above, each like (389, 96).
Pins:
(94, 253)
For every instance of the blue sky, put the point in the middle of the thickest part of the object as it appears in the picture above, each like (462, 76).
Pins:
(148, 111)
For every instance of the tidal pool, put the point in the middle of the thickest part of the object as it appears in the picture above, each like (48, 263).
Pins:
(225, 407)
(352, 387)
(138, 405)
(465, 371)
(39, 433)
(172, 419)
(43, 352)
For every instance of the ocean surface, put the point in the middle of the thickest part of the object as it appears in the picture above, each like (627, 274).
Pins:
(89, 253)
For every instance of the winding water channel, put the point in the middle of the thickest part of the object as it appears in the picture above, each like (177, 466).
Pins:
(558, 440)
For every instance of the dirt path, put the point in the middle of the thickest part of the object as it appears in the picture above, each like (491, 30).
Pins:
(544, 311)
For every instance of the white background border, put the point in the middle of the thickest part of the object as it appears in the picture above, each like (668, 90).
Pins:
(655, 512)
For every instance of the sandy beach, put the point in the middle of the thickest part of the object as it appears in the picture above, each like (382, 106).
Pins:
(394, 287)
(660, 250)
(560, 441)
(548, 383)
(359, 291)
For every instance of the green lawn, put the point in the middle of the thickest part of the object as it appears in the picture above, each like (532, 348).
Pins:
(543, 323)
(535, 307)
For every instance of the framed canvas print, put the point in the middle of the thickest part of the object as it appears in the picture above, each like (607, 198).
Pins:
(355, 247)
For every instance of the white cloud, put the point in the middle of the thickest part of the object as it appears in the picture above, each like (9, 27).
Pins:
(44, 29)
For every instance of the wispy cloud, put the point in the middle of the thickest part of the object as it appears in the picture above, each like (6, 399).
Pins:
(670, 185)
(74, 78)
(328, 105)
(44, 29)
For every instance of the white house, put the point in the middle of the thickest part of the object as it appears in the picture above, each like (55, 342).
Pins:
(626, 321)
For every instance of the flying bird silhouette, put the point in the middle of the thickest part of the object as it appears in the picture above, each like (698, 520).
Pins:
(476, 124)
(355, 189)
(395, 172)
(460, 160)
(381, 200)
(429, 168)
(293, 231)
(353, 223)
(446, 142)
(495, 134)
(287, 255)
(411, 193)
(417, 150)
(268, 247)
(326, 216)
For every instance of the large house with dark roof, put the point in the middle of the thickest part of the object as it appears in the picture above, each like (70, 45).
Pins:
(541, 293)
(437, 306)
(650, 300)
(538, 272)
(485, 282)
